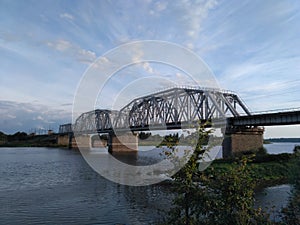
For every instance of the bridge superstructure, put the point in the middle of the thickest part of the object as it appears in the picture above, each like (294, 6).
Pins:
(65, 128)
(173, 108)
(183, 107)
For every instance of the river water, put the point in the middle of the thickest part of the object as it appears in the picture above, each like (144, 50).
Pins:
(56, 186)
(280, 147)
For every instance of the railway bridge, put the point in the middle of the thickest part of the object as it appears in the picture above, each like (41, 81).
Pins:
(180, 108)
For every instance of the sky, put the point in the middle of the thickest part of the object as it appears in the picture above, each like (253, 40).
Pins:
(251, 46)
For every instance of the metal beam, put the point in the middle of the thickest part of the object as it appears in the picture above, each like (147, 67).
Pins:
(267, 119)
(171, 108)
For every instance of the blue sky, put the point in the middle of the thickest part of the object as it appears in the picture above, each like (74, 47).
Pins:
(252, 47)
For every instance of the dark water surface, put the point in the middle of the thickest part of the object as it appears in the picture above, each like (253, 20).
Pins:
(273, 199)
(56, 186)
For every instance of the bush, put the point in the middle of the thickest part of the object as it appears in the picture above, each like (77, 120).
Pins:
(214, 196)
(296, 149)
(283, 157)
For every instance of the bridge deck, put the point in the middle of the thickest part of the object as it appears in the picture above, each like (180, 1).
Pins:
(266, 119)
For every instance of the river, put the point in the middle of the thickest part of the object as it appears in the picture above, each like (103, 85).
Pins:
(280, 147)
(56, 186)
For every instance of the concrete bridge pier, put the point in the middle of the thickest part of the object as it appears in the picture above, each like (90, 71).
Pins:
(126, 142)
(99, 140)
(65, 139)
(239, 140)
(84, 141)
(68, 140)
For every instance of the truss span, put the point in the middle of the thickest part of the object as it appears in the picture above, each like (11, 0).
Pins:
(168, 109)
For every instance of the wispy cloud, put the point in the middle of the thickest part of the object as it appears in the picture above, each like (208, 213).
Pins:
(241, 71)
(195, 13)
(66, 16)
(72, 50)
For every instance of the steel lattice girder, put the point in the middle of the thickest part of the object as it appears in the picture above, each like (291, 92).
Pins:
(165, 108)
(65, 128)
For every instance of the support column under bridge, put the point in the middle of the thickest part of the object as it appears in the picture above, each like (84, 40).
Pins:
(88, 141)
(239, 140)
(63, 139)
(125, 142)
(69, 140)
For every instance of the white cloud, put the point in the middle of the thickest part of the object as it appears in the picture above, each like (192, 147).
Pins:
(60, 45)
(72, 50)
(86, 56)
(148, 68)
(39, 118)
(66, 16)
(10, 116)
(177, 21)
(194, 14)
(137, 53)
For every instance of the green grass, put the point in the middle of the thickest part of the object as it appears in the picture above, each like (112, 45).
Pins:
(266, 170)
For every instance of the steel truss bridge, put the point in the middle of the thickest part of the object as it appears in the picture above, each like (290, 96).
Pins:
(177, 108)
(174, 108)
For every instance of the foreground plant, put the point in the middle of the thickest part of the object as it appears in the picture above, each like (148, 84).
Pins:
(214, 197)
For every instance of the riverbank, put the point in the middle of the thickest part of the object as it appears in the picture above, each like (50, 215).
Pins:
(266, 170)
(21, 139)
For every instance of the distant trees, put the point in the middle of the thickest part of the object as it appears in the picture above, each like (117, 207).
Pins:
(143, 135)
(3, 138)
(157, 140)
(22, 139)
(171, 140)
(19, 136)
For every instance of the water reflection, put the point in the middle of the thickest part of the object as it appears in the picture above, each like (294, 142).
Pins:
(56, 186)
(273, 199)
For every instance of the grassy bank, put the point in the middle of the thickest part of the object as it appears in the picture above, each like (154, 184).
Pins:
(267, 170)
